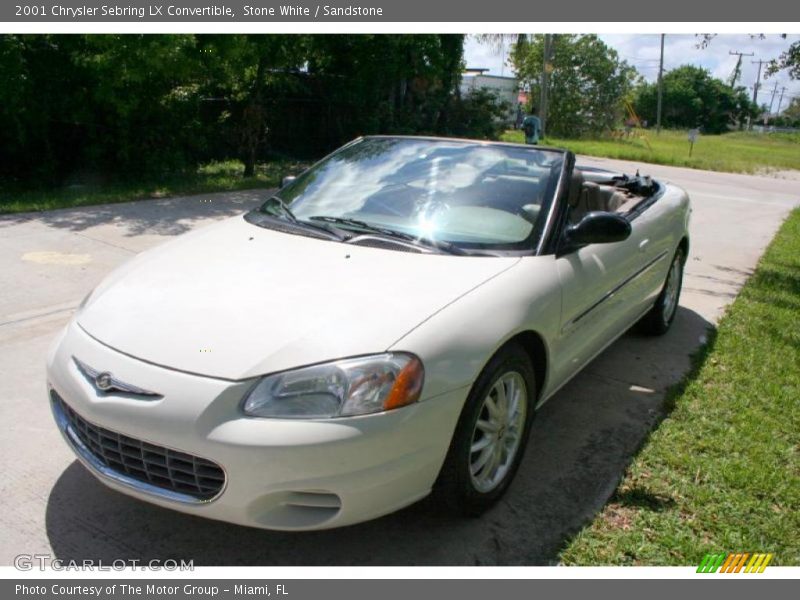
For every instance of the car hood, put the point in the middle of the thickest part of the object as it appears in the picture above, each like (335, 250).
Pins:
(234, 300)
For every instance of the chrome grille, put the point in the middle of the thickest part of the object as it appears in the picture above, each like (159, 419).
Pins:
(158, 466)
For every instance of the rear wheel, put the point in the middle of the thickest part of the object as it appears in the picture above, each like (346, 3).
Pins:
(660, 317)
(491, 434)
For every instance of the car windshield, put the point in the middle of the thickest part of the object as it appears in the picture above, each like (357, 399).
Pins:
(462, 193)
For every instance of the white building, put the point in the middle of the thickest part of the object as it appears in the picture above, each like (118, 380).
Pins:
(506, 88)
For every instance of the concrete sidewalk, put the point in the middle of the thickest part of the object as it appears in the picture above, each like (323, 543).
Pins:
(581, 443)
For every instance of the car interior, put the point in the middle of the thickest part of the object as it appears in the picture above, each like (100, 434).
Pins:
(586, 196)
(516, 194)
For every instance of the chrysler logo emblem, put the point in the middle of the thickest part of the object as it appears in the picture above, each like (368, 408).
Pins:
(104, 381)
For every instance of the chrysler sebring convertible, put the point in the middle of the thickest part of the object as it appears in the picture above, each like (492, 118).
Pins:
(381, 328)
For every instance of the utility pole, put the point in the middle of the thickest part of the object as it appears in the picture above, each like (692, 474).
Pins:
(758, 80)
(546, 55)
(783, 91)
(503, 54)
(774, 91)
(737, 70)
(756, 85)
(660, 86)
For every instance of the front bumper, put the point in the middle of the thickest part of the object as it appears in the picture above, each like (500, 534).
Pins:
(279, 473)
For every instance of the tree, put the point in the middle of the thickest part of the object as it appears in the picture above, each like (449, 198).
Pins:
(244, 72)
(790, 116)
(142, 99)
(480, 114)
(789, 59)
(693, 98)
(588, 82)
(90, 107)
(104, 103)
(394, 82)
(38, 121)
(307, 94)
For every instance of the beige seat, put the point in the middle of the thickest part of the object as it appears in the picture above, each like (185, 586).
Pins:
(588, 196)
(592, 197)
(627, 202)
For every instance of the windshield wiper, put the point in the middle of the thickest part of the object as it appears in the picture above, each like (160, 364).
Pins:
(385, 231)
(292, 218)
(284, 208)
(353, 222)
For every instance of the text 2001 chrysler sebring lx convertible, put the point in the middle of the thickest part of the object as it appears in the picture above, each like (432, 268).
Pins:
(384, 326)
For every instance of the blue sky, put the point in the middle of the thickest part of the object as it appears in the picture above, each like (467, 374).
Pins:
(642, 51)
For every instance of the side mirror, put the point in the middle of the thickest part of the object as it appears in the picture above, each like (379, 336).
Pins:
(287, 179)
(598, 228)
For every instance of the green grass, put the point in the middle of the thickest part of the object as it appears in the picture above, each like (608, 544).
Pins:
(212, 177)
(738, 152)
(722, 471)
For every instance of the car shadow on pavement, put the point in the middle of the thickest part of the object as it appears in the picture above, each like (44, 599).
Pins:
(581, 443)
(166, 217)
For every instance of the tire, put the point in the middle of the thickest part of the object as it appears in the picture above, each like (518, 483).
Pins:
(463, 485)
(661, 316)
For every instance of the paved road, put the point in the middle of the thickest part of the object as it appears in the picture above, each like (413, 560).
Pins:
(581, 444)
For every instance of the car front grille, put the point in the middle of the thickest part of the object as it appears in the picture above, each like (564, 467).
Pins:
(164, 468)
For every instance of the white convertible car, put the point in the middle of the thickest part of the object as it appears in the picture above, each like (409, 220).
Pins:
(383, 327)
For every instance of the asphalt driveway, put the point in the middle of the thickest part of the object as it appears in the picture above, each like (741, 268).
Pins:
(582, 440)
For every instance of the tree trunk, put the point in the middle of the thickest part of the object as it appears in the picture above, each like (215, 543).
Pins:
(250, 163)
(253, 122)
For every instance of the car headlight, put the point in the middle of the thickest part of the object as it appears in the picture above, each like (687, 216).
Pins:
(354, 386)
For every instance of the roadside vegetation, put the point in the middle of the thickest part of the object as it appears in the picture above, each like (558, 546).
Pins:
(736, 152)
(722, 471)
(595, 96)
(224, 176)
(89, 119)
(144, 106)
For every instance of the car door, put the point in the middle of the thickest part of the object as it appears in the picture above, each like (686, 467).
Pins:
(602, 293)
(655, 227)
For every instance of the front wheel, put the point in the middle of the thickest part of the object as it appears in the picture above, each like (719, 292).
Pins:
(660, 317)
(491, 434)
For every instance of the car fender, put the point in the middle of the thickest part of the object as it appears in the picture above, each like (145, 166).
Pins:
(457, 342)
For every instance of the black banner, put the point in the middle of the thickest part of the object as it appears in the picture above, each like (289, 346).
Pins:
(336, 589)
(397, 11)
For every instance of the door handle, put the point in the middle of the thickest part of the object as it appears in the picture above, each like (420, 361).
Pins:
(643, 245)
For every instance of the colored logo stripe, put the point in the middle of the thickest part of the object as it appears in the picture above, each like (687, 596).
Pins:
(711, 563)
(734, 563)
(758, 563)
